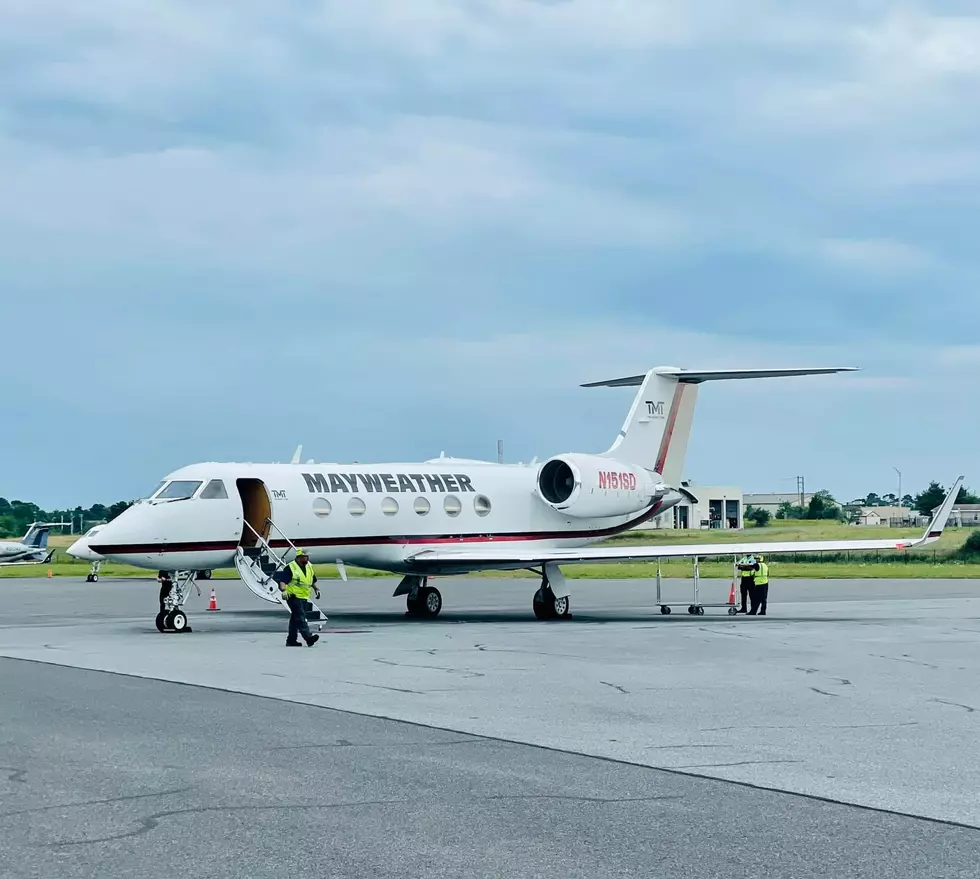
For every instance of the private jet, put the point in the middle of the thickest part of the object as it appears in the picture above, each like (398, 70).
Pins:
(447, 516)
(32, 549)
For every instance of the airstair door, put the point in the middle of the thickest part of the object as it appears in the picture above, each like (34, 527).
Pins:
(256, 512)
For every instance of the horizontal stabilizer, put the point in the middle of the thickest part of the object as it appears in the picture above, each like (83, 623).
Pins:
(696, 376)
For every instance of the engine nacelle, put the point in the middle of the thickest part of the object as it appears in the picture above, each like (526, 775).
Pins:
(591, 486)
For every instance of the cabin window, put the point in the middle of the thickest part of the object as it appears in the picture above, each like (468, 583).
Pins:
(389, 506)
(452, 506)
(421, 505)
(214, 490)
(481, 503)
(356, 507)
(321, 507)
(179, 490)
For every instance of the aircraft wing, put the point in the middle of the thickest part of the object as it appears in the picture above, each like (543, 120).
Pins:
(502, 558)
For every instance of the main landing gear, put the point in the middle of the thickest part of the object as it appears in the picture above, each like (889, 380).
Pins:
(172, 618)
(545, 604)
(93, 577)
(422, 601)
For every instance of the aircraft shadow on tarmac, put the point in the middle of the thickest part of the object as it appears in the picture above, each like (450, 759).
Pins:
(264, 620)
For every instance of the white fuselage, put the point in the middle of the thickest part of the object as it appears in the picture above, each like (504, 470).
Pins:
(371, 516)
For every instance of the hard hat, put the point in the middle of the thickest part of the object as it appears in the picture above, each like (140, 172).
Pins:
(301, 552)
(760, 558)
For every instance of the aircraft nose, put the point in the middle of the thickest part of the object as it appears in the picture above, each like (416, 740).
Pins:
(75, 549)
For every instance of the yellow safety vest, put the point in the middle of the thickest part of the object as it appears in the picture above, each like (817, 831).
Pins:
(301, 584)
(762, 575)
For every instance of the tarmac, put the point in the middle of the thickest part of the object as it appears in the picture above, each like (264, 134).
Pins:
(835, 737)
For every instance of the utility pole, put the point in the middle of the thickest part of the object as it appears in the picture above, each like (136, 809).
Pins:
(500, 451)
(899, 472)
(801, 490)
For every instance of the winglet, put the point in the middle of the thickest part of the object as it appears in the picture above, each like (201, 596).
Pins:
(938, 523)
(296, 454)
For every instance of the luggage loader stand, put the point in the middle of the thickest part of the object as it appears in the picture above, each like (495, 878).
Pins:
(695, 608)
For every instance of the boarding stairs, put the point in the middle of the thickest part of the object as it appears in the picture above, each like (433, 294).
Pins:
(257, 566)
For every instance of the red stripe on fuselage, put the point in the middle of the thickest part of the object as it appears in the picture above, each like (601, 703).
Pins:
(382, 540)
(675, 407)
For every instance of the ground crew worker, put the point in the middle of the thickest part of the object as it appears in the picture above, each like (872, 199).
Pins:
(166, 587)
(746, 579)
(297, 580)
(760, 588)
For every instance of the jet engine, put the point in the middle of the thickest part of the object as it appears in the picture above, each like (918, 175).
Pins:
(592, 486)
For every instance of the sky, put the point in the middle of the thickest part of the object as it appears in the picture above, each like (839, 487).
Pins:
(389, 229)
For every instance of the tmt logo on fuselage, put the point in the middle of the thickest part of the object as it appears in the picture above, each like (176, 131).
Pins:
(655, 408)
(617, 481)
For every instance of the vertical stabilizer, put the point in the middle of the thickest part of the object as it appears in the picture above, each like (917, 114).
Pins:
(657, 428)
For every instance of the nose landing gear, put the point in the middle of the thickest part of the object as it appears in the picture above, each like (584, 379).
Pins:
(172, 617)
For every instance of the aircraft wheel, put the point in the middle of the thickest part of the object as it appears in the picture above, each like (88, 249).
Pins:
(95, 578)
(161, 622)
(665, 610)
(732, 611)
(543, 610)
(563, 607)
(176, 620)
(430, 602)
(699, 611)
(691, 609)
(88, 578)
(413, 605)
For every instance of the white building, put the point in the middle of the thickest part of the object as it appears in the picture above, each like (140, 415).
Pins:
(883, 516)
(963, 514)
(718, 506)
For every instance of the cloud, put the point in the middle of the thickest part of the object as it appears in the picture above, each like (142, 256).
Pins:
(431, 220)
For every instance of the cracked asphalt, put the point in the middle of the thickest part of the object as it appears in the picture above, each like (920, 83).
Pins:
(112, 776)
(836, 737)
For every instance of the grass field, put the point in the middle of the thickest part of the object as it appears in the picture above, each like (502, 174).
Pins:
(933, 562)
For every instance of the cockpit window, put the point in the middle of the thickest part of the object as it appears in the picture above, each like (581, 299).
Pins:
(159, 485)
(179, 490)
(214, 489)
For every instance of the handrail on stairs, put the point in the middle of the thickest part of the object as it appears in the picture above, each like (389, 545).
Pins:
(292, 546)
(266, 544)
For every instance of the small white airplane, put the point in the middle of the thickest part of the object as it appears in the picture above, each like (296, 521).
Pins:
(32, 549)
(446, 515)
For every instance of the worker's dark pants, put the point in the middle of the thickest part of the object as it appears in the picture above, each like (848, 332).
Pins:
(746, 589)
(759, 596)
(165, 589)
(297, 619)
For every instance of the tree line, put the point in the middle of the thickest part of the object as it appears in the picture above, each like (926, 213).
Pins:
(822, 505)
(16, 516)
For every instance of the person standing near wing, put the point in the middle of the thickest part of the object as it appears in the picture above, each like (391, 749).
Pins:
(759, 593)
(297, 580)
(746, 579)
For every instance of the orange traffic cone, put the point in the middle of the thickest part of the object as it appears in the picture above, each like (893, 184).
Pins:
(731, 594)
(213, 604)
(50, 572)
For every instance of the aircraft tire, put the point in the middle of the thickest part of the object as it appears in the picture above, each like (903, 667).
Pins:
(429, 602)
(543, 608)
(562, 607)
(176, 620)
(95, 578)
(161, 622)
